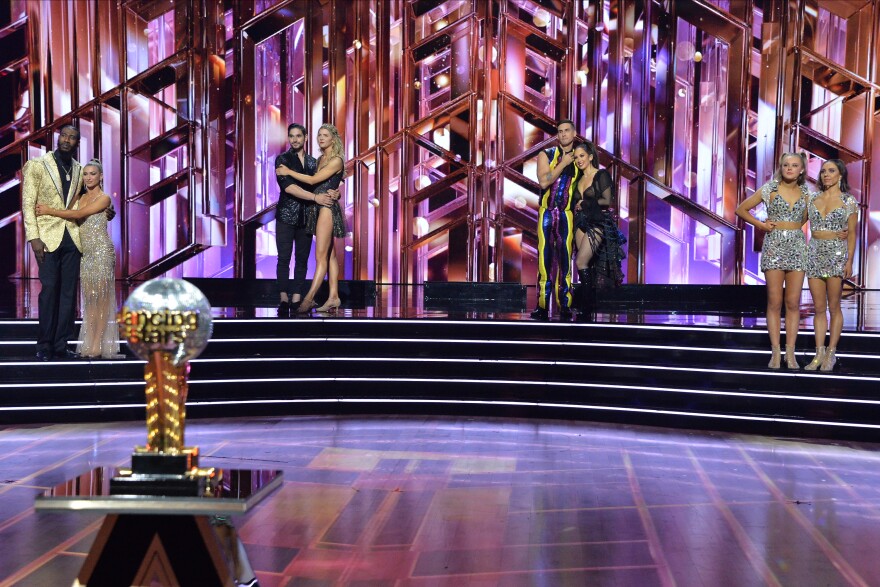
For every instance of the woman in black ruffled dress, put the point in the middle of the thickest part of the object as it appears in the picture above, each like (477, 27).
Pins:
(598, 240)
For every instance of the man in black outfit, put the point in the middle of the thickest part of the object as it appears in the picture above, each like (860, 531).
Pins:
(290, 212)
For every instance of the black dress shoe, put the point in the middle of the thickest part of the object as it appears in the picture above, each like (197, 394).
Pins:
(66, 354)
(44, 355)
(284, 310)
(540, 313)
(565, 315)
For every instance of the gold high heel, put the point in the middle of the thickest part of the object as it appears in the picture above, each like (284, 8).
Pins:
(817, 359)
(790, 360)
(306, 306)
(330, 306)
(830, 360)
(775, 358)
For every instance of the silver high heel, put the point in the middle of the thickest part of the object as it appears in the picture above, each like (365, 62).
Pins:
(817, 359)
(775, 358)
(830, 360)
(790, 360)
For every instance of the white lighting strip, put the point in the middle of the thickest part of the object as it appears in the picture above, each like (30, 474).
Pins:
(550, 405)
(490, 403)
(440, 322)
(537, 383)
(525, 362)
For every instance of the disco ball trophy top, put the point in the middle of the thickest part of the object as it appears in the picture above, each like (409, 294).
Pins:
(166, 322)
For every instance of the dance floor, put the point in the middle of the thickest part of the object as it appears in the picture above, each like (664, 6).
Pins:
(374, 501)
(466, 498)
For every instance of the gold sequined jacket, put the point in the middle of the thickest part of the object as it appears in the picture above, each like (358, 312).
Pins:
(41, 184)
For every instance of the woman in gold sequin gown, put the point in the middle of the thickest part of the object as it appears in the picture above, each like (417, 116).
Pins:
(98, 337)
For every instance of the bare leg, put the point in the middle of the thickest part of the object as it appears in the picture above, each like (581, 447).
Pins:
(333, 271)
(774, 279)
(820, 320)
(794, 285)
(323, 242)
(834, 288)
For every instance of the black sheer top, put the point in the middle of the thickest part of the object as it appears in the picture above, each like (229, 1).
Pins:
(597, 197)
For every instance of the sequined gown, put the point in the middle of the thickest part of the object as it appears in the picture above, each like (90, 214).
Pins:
(330, 183)
(784, 249)
(827, 257)
(99, 335)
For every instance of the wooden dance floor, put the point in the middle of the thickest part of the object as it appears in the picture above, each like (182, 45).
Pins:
(429, 501)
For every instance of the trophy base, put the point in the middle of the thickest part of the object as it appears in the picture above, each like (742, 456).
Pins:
(149, 462)
(190, 485)
(170, 474)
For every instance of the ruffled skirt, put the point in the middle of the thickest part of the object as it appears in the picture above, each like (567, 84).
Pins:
(606, 240)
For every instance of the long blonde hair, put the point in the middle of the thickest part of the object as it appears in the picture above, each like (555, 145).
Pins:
(336, 148)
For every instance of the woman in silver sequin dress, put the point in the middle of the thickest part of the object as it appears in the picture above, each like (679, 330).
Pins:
(833, 213)
(98, 336)
(325, 220)
(783, 254)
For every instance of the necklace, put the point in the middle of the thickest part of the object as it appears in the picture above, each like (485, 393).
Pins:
(67, 170)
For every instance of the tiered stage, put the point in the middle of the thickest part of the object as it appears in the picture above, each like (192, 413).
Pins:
(634, 367)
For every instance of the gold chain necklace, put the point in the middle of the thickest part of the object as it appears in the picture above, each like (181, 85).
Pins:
(66, 171)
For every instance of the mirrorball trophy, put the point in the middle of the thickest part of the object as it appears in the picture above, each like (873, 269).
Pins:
(166, 322)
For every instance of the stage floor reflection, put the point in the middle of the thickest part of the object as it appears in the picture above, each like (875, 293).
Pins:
(375, 501)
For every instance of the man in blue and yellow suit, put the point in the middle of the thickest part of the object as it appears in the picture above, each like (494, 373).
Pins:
(557, 175)
(54, 180)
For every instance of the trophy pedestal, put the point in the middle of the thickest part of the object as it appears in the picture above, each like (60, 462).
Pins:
(164, 539)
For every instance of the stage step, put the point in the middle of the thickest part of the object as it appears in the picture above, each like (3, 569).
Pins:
(677, 375)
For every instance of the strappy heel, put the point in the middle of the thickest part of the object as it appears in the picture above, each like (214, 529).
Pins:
(331, 305)
(775, 358)
(790, 360)
(817, 359)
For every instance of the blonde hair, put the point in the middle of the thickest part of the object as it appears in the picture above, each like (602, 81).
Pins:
(802, 178)
(95, 163)
(336, 147)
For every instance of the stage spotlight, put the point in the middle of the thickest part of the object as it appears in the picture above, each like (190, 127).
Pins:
(441, 24)
(374, 202)
(580, 77)
(481, 53)
(417, 84)
(420, 226)
(442, 80)
(541, 18)
(356, 44)
(698, 56)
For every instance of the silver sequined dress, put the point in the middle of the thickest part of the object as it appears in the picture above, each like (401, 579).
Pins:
(783, 249)
(99, 335)
(827, 257)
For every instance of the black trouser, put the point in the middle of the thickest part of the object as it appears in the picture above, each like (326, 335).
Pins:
(285, 238)
(59, 273)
